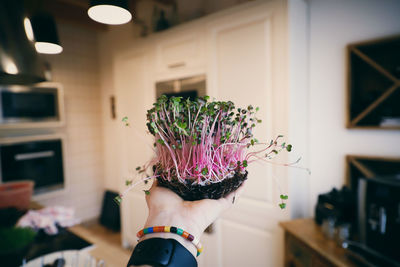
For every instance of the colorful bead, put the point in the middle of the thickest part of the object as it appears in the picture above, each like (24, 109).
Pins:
(158, 229)
(175, 230)
(140, 234)
(190, 238)
(185, 234)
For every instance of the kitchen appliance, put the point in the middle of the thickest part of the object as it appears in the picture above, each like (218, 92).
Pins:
(35, 158)
(190, 87)
(31, 106)
(378, 222)
(379, 215)
(337, 206)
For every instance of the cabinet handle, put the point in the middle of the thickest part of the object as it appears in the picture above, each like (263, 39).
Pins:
(176, 65)
(34, 155)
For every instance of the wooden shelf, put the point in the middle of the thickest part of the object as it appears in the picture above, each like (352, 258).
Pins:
(306, 245)
(374, 84)
(369, 166)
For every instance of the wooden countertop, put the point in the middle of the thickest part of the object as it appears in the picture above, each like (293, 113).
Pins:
(310, 233)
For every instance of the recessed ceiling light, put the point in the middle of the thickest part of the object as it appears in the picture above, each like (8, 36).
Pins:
(114, 12)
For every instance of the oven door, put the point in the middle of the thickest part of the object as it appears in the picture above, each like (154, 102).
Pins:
(39, 160)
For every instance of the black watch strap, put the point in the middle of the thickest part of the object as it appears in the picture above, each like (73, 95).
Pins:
(162, 252)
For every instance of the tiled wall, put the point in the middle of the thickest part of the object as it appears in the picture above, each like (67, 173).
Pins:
(76, 68)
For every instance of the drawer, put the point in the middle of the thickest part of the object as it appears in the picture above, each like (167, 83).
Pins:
(297, 254)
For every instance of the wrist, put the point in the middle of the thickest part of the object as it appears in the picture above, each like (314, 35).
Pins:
(187, 244)
(164, 218)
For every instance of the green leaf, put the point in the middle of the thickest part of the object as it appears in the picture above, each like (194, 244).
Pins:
(160, 141)
(275, 151)
(289, 148)
(138, 168)
(282, 205)
(125, 119)
(284, 197)
(128, 182)
(204, 171)
(245, 163)
(118, 200)
(147, 192)
(257, 108)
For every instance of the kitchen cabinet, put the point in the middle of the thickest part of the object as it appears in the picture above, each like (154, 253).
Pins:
(243, 53)
(245, 49)
(181, 54)
(132, 87)
(306, 246)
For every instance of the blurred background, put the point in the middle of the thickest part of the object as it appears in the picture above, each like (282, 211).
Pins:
(325, 74)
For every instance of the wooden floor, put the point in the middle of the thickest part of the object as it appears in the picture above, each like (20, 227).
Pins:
(107, 244)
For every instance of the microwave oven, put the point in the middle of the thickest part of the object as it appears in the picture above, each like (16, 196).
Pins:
(31, 106)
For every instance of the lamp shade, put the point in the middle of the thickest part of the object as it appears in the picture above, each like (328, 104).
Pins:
(45, 32)
(19, 62)
(113, 12)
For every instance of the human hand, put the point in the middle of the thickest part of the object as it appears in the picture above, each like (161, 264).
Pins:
(168, 209)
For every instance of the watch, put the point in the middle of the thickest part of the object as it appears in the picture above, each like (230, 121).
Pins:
(161, 252)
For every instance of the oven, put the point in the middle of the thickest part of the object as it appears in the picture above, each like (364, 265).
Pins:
(36, 158)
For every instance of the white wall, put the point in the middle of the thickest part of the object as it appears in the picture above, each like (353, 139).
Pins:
(76, 68)
(334, 24)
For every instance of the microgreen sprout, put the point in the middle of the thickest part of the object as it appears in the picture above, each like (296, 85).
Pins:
(202, 142)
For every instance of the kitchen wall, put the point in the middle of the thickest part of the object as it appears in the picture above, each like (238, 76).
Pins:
(77, 69)
(332, 25)
(319, 31)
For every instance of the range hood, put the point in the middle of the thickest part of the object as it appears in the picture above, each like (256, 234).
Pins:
(19, 61)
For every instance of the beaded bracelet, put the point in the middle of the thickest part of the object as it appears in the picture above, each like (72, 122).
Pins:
(174, 230)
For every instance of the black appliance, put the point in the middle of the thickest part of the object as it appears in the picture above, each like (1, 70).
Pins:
(37, 158)
(39, 105)
(379, 215)
(338, 205)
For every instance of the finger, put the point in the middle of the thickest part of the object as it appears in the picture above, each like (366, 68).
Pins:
(240, 190)
(233, 196)
(154, 185)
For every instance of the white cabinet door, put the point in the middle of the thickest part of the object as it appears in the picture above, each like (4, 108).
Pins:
(247, 56)
(180, 54)
(134, 95)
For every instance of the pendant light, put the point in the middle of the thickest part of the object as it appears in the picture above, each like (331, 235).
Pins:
(45, 33)
(113, 12)
(19, 62)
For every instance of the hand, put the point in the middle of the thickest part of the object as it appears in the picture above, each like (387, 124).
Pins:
(168, 209)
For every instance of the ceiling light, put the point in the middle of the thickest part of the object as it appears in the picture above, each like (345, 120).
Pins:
(45, 33)
(113, 12)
